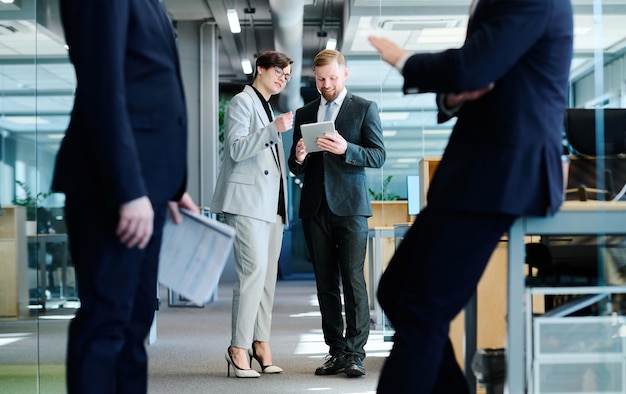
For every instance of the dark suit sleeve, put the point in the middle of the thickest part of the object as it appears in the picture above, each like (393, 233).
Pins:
(444, 114)
(370, 152)
(500, 33)
(97, 36)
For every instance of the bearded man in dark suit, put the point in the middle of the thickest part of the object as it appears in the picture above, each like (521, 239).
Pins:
(335, 205)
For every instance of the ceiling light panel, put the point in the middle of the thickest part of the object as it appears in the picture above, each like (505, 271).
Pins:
(412, 23)
(246, 66)
(233, 21)
(453, 36)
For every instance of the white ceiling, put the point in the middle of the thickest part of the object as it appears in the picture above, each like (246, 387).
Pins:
(43, 86)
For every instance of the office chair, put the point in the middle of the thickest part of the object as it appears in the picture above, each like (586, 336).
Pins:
(573, 260)
(589, 149)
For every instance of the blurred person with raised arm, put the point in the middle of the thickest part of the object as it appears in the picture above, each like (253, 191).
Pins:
(507, 86)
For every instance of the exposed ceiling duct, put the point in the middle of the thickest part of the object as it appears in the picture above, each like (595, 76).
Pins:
(287, 18)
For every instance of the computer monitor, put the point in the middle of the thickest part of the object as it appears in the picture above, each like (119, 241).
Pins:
(580, 128)
(413, 194)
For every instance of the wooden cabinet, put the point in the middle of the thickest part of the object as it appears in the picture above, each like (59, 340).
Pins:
(13, 263)
(388, 213)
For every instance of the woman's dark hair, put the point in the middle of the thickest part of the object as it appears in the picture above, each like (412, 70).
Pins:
(270, 59)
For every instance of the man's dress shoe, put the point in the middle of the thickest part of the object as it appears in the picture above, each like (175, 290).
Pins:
(332, 366)
(354, 366)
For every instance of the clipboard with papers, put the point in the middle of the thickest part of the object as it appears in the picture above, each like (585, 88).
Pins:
(312, 131)
(193, 255)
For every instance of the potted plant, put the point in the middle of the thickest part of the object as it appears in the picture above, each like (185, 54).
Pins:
(223, 104)
(384, 194)
(30, 201)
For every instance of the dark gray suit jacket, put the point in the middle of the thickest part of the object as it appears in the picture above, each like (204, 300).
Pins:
(341, 178)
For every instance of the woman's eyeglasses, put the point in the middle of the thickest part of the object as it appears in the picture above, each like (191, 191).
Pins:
(280, 73)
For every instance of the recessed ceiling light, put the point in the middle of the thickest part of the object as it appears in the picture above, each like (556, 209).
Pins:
(233, 20)
(246, 66)
(331, 44)
(581, 31)
(450, 35)
(25, 119)
(394, 115)
(436, 131)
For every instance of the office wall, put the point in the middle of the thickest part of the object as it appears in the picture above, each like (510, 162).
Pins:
(609, 92)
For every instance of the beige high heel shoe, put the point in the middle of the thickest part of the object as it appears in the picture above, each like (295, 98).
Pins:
(264, 368)
(240, 373)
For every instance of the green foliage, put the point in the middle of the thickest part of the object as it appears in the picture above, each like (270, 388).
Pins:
(223, 104)
(29, 200)
(384, 194)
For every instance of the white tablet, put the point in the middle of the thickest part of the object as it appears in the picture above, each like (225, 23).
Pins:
(312, 131)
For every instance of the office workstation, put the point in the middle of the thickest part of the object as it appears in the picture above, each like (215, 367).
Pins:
(581, 270)
(37, 270)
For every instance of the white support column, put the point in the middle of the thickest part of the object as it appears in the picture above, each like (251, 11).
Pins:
(198, 49)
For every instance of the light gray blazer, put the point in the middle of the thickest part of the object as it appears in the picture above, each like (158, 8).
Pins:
(250, 174)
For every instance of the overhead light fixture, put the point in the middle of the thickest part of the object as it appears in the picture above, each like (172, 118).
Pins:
(331, 43)
(581, 31)
(246, 66)
(233, 20)
(6, 1)
(394, 115)
(25, 120)
(436, 131)
(450, 35)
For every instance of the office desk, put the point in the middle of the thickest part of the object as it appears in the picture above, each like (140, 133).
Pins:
(574, 218)
(42, 241)
(375, 256)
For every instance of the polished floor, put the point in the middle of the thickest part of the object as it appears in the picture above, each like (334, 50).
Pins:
(188, 353)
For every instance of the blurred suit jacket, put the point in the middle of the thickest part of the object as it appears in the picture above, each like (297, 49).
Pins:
(130, 138)
(504, 152)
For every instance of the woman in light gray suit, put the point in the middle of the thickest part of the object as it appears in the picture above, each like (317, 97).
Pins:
(251, 193)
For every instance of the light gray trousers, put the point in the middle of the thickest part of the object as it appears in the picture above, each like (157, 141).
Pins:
(257, 249)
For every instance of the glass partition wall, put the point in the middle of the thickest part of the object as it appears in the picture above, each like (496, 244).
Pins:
(37, 286)
(414, 140)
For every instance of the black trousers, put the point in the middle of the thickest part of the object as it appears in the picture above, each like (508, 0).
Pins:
(337, 246)
(429, 280)
(117, 290)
